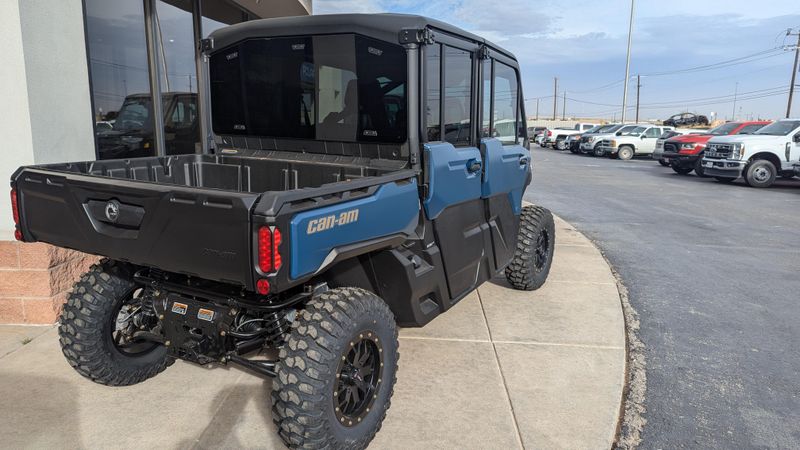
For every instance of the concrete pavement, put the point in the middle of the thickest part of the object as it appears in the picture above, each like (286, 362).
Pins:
(502, 369)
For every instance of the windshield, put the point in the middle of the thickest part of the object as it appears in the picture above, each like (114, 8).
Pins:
(631, 131)
(724, 129)
(780, 128)
(336, 87)
(594, 129)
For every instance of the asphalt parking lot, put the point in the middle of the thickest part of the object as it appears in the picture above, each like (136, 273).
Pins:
(714, 273)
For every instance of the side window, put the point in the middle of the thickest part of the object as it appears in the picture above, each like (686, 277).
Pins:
(457, 95)
(652, 133)
(506, 103)
(433, 129)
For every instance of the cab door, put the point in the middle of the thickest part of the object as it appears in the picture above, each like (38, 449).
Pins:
(507, 162)
(648, 140)
(454, 164)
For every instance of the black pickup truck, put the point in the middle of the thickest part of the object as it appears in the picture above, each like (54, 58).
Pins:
(350, 188)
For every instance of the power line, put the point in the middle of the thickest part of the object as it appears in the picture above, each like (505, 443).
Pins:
(764, 54)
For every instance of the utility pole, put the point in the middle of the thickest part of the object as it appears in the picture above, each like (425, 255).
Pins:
(638, 87)
(564, 107)
(555, 98)
(794, 71)
(628, 62)
(735, 94)
(537, 109)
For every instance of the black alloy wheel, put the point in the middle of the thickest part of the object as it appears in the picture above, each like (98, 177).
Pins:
(358, 379)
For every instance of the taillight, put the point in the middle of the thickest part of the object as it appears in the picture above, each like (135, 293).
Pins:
(269, 257)
(15, 213)
(549, 133)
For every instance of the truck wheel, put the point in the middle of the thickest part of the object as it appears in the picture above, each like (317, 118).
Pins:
(559, 145)
(103, 304)
(699, 170)
(336, 375)
(598, 153)
(682, 170)
(535, 247)
(760, 173)
(663, 163)
(625, 152)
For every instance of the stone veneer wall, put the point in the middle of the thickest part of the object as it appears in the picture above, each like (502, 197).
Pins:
(35, 280)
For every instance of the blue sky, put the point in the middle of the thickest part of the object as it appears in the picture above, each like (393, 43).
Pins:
(582, 42)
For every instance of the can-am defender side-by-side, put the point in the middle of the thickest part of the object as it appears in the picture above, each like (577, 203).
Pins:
(355, 182)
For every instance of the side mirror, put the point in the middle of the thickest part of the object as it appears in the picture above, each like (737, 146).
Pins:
(619, 133)
(642, 137)
(797, 138)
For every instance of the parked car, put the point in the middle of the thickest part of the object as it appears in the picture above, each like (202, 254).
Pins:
(535, 132)
(590, 141)
(667, 135)
(759, 158)
(633, 141)
(574, 140)
(275, 242)
(686, 119)
(557, 136)
(685, 153)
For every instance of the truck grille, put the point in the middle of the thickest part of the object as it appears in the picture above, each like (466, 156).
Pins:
(605, 143)
(718, 151)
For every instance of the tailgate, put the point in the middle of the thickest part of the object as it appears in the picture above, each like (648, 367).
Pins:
(195, 231)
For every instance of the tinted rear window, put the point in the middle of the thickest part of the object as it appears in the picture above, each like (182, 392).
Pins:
(340, 88)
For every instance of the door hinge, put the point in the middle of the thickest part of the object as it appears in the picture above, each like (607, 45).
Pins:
(416, 36)
(206, 44)
(483, 52)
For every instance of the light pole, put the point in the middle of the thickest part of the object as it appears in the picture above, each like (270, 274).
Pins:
(628, 62)
(735, 94)
(794, 73)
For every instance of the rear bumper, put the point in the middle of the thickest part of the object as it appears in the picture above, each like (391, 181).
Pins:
(723, 167)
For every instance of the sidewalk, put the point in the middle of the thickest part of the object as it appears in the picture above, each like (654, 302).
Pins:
(502, 369)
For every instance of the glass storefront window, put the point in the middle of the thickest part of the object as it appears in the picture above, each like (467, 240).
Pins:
(120, 73)
(178, 75)
(120, 84)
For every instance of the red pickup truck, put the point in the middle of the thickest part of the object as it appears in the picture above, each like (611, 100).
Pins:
(684, 153)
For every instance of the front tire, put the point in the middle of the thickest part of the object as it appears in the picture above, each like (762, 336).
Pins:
(682, 170)
(533, 256)
(663, 163)
(760, 173)
(699, 170)
(625, 153)
(336, 374)
(89, 323)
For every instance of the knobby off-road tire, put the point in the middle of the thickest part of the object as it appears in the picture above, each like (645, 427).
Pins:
(88, 320)
(319, 360)
(699, 170)
(535, 246)
(663, 163)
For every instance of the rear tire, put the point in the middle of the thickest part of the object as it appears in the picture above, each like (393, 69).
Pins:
(533, 256)
(344, 341)
(88, 321)
(559, 144)
(760, 173)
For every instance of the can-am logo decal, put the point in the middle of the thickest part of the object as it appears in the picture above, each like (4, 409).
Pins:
(375, 51)
(231, 56)
(328, 222)
(112, 211)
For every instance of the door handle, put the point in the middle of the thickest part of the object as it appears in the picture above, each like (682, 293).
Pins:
(473, 165)
(523, 161)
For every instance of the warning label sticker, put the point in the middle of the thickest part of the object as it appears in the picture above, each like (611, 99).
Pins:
(179, 308)
(205, 314)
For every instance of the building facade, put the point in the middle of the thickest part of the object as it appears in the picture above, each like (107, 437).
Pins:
(78, 82)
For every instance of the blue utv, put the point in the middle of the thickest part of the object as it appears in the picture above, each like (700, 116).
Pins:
(356, 179)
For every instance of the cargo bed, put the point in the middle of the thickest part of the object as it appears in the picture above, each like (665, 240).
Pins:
(188, 214)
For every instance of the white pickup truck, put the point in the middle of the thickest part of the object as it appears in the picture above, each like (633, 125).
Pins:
(759, 158)
(632, 141)
(557, 136)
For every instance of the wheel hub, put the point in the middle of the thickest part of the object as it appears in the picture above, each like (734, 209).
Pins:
(761, 174)
(358, 379)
